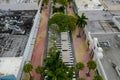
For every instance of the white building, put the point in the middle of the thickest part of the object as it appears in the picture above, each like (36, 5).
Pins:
(19, 4)
(10, 66)
(87, 5)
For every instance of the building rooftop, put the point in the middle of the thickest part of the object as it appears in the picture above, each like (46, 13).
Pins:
(8, 1)
(19, 6)
(14, 45)
(111, 53)
(116, 20)
(86, 5)
(17, 1)
(97, 15)
(102, 27)
(111, 4)
(10, 65)
(14, 32)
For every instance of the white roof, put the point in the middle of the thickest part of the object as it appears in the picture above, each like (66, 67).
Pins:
(7, 1)
(10, 65)
(90, 5)
(19, 6)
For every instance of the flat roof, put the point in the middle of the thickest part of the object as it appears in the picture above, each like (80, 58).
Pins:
(111, 53)
(112, 4)
(14, 45)
(10, 65)
(84, 5)
(94, 15)
(8, 1)
(116, 20)
(102, 26)
(17, 1)
(19, 6)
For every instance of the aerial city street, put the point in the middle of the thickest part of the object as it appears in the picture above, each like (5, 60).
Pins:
(59, 39)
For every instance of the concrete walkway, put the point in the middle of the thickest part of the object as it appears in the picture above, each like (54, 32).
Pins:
(39, 46)
(81, 51)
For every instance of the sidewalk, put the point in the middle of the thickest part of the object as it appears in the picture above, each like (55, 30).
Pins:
(39, 46)
(81, 51)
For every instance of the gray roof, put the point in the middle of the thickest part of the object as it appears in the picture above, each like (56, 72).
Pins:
(102, 26)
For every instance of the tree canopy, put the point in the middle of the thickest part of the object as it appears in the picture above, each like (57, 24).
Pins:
(81, 20)
(80, 66)
(27, 68)
(81, 79)
(98, 77)
(65, 22)
(54, 28)
(55, 69)
(91, 64)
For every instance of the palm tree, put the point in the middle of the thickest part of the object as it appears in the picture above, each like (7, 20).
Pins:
(40, 70)
(81, 22)
(81, 79)
(79, 66)
(27, 68)
(91, 65)
(98, 77)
